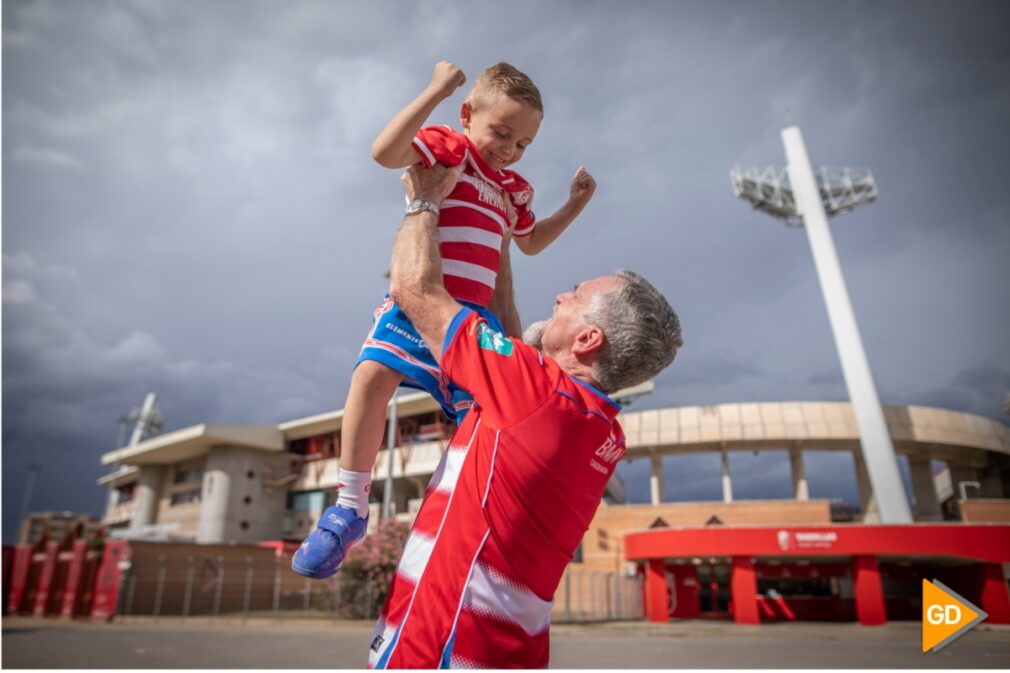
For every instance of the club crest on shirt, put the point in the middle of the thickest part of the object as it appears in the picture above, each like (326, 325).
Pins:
(488, 339)
(523, 196)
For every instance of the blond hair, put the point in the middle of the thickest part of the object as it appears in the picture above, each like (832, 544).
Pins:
(504, 80)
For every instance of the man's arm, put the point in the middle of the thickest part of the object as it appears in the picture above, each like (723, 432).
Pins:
(394, 147)
(503, 304)
(415, 280)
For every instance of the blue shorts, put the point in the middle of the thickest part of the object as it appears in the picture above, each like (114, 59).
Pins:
(395, 343)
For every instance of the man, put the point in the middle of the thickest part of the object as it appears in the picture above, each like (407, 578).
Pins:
(521, 480)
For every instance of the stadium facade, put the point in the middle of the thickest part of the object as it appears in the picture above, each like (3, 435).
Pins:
(746, 560)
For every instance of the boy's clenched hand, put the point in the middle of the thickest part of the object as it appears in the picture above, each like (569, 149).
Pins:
(446, 78)
(583, 186)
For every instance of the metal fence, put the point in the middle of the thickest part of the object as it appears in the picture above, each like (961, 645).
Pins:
(590, 595)
(213, 586)
(258, 586)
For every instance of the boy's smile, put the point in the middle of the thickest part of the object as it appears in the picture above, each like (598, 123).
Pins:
(501, 131)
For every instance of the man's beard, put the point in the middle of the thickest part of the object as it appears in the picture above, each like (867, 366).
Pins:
(534, 334)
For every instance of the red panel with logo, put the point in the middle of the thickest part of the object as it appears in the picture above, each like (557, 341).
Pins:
(981, 543)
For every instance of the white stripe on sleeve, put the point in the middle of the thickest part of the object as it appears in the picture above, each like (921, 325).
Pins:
(423, 149)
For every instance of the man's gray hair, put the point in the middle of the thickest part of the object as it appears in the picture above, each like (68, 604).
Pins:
(642, 333)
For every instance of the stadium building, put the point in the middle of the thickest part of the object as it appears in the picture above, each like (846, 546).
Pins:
(218, 486)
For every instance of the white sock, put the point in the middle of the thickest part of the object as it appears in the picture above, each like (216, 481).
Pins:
(354, 488)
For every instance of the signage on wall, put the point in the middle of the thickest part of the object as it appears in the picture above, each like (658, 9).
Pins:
(801, 539)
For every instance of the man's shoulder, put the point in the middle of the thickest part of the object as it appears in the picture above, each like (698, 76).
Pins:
(490, 341)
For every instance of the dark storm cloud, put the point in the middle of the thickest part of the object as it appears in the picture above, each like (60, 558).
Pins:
(189, 205)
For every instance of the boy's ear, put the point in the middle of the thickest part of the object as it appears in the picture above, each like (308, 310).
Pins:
(465, 112)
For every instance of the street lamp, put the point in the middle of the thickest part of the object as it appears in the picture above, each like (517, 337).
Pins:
(794, 194)
(387, 493)
(26, 499)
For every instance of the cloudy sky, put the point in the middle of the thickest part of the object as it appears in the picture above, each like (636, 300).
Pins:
(190, 208)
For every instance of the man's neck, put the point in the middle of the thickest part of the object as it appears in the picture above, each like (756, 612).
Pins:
(578, 370)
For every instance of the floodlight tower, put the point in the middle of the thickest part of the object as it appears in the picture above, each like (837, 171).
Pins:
(795, 196)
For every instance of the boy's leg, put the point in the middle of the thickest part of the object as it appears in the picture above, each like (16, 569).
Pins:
(372, 386)
(340, 526)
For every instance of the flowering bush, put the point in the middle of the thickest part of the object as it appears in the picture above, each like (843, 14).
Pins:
(368, 570)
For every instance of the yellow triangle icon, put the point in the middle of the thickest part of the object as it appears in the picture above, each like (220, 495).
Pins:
(945, 615)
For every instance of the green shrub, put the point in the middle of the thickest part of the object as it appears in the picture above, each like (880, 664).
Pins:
(369, 569)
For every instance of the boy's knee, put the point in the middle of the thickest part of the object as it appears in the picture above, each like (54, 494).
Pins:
(375, 372)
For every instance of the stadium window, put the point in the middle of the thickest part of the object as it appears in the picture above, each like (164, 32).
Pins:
(185, 498)
(188, 473)
(306, 501)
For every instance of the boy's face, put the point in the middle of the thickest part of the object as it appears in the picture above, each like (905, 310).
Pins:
(501, 131)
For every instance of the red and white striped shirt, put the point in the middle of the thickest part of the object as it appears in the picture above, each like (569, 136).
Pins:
(473, 216)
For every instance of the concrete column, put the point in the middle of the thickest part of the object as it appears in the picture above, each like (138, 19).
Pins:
(727, 484)
(995, 599)
(110, 502)
(800, 489)
(927, 506)
(218, 473)
(743, 588)
(73, 586)
(869, 591)
(146, 495)
(656, 480)
(45, 580)
(19, 578)
(867, 499)
(657, 594)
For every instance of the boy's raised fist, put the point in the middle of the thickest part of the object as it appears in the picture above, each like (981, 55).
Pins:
(446, 78)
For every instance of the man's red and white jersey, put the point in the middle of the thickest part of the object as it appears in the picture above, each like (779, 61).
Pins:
(505, 510)
(473, 216)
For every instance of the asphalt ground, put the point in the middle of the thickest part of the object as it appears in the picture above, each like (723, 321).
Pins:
(265, 643)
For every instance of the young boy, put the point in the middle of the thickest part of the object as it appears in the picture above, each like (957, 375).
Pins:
(500, 118)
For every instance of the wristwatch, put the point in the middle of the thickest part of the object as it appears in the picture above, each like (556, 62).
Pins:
(417, 205)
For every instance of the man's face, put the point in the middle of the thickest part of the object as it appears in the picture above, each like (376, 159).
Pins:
(502, 130)
(560, 332)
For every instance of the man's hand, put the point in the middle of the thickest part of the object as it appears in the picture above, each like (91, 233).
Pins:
(446, 78)
(513, 216)
(583, 186)
(431, 184)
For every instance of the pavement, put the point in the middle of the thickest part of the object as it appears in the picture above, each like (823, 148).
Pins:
(268, 643)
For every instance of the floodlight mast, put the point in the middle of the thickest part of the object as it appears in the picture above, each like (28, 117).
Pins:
(803, 198)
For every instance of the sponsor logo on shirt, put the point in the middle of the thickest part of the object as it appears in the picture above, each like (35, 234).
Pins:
(609, 452)
(402, 332)
(490, 340)
(377, 643)
(488, 194)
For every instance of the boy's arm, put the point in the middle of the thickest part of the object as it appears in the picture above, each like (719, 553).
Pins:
(549, 228)
(394, 147)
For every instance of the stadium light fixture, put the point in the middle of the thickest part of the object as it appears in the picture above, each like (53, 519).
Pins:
(795, 195)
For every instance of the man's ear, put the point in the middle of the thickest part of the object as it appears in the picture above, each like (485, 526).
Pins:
(589, 341)
(465, 112)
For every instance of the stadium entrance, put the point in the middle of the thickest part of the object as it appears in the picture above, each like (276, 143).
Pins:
(858, 573)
